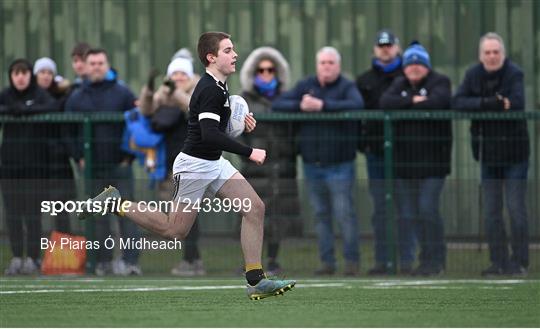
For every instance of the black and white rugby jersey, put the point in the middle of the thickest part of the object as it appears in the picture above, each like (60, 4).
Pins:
(209, 114)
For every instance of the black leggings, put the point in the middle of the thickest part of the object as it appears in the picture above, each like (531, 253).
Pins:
(22, 199)
(191, 244)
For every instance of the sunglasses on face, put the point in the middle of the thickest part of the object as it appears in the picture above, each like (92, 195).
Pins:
(268, 69)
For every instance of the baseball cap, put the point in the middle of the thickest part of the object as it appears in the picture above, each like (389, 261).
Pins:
(385, 37)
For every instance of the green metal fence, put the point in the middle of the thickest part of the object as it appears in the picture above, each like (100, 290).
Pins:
(460, 207)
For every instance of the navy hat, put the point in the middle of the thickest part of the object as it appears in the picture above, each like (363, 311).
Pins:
(416, 54)
(385, 37)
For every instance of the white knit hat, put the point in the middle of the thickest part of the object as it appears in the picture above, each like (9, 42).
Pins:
(182, 65)
(183, 53)
(45, 63)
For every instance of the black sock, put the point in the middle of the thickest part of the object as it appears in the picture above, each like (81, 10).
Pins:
(255, 276)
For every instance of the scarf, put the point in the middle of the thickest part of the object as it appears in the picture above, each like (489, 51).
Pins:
(387, 68)
(266, 89)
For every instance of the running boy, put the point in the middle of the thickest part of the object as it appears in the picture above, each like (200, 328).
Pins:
(200, 170)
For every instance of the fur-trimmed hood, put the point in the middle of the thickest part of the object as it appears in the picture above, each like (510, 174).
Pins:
(247, 73)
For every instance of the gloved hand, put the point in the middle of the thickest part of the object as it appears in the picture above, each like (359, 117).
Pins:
(493, 103)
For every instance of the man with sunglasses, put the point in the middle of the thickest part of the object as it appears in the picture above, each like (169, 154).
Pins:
(385, 67)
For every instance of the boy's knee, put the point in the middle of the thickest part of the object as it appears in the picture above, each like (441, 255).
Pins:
(175, 234)
(258, 207)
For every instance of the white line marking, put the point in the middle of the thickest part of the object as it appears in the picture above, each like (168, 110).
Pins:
(146, 289)
(435, 287)
(217, 279)
(436, 282)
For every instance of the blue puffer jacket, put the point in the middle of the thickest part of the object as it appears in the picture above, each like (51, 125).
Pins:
(103, 96)
(329, 142)
(145, 144)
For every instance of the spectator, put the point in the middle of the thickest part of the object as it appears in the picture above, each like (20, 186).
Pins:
(328, 150)
(169, 106)
(264, 76)
(385, 68)
(60, 177)
(47, 78)
(174, 93)
(502, 149)
(183, 53)
(79, 68)
(110, 164)
(24, 157)
(78, 63)
(422, 159)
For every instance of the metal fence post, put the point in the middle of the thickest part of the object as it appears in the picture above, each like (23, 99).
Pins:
(389, 192)
(89, 227)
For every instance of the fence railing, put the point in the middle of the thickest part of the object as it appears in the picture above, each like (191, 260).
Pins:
(461, 134)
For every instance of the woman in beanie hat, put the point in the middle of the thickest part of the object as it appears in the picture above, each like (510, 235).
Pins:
(421, 157)
(175, 91)
(47, 78)
(61, 187)
(175, 94)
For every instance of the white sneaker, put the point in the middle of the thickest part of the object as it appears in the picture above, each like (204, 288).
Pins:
(29, 267)
(119, 267)
(184, 268)
(198, 267)
(104, 268)
(14, 266)
(133, 270)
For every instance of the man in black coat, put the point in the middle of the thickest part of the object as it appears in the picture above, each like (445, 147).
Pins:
(421, 158)
(502, 148)
(386, 66)
(103, 93)
(24, 157)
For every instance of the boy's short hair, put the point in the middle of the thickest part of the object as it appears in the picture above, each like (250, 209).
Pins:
(209, 44)
(80, 49)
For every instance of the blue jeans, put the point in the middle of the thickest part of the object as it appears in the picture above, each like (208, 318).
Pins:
(330, 191)
(375, 169)
(513, 180)
(418, 204)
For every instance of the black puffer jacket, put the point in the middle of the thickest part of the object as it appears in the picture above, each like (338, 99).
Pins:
(502, 142)
(25, 150)
(276, 180)
(422, 148)
(372, 84)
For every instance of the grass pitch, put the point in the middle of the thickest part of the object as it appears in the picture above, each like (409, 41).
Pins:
(166, 302)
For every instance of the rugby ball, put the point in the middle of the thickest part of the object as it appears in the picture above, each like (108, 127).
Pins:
(239, 110)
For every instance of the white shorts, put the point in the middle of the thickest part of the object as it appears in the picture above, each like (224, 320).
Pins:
(195, 177)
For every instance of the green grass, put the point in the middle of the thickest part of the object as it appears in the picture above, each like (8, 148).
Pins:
(299, 257)
(111, 302)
